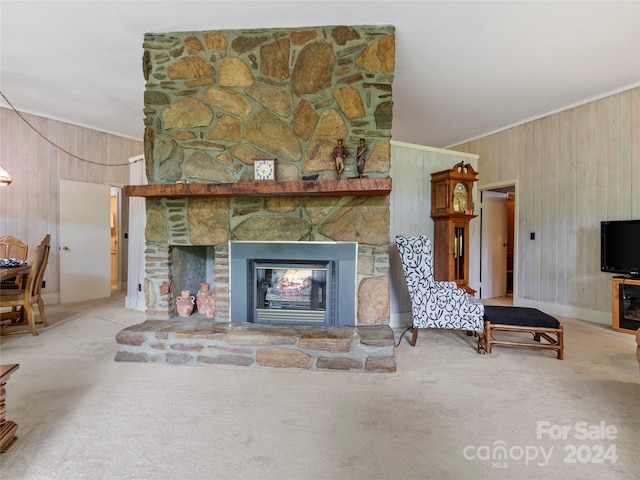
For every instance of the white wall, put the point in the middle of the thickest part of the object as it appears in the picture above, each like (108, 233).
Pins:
(410, 206)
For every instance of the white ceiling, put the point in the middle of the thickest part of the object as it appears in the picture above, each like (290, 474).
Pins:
(463, 68)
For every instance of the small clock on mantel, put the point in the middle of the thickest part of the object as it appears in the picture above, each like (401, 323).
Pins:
(264, 168)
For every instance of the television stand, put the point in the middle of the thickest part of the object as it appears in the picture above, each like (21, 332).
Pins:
(625, 315)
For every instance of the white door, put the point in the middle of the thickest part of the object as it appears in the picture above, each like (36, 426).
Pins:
(85, 241)
(136, 240)
(493, 255)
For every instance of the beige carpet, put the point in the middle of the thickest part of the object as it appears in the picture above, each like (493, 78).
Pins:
(443, 415)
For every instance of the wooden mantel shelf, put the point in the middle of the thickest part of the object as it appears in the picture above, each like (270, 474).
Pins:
(294, 188)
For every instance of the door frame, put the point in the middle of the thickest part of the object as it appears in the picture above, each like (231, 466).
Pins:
(516, 220)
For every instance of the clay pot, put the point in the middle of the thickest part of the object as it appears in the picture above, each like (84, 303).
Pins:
(210, 307)
(184, 303)
(202, 296)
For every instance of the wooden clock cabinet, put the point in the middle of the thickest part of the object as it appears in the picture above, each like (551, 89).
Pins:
(452, 210)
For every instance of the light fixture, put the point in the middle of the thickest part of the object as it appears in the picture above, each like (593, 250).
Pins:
(5, 178)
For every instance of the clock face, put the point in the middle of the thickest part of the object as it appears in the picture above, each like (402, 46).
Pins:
(460, 197)
(264, 169)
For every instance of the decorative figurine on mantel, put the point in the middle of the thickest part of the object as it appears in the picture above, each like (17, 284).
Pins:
(362, 149)
(339, 154)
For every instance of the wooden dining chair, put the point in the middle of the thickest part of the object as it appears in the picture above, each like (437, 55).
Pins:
(24, 299)
(12, 247)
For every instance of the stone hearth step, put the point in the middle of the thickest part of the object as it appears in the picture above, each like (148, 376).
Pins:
(202, 342)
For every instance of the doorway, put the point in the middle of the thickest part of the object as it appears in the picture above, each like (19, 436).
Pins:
(497, 241)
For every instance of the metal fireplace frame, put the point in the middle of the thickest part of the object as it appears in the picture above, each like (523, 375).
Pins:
(341, 261)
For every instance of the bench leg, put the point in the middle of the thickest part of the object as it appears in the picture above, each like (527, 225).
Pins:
(487, 335)
(560, 336)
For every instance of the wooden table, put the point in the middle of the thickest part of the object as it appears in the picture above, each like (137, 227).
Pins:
(7, 429)
(12, 272)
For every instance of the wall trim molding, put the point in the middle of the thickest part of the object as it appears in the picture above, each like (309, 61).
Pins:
(434, 149)
(548, 114)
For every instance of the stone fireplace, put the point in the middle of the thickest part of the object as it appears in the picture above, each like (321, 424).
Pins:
(217, 100)
(214, 102)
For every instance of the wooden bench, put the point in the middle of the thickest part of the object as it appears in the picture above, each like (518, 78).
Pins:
(523, 320)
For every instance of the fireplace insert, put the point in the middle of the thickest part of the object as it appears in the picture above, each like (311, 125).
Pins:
(301, 283)
(287, 292)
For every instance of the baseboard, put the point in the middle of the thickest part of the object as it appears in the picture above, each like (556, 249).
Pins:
(399, 320)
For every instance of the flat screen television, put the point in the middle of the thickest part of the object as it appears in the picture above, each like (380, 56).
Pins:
(620, 247)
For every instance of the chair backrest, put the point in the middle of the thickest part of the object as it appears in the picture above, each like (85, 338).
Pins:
(12, 247)
(34, 281)
(416, 254)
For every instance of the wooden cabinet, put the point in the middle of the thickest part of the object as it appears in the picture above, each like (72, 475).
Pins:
(630, 316)
(452, 210)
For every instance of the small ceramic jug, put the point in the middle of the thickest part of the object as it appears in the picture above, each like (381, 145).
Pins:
(202, 296)
(210, 307)
(184, 303)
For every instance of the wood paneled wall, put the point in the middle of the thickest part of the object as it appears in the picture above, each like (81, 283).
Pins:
(573, 169)
(29, 206)
(410, 209)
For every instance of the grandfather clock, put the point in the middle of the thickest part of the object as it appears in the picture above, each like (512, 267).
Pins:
(452, 210)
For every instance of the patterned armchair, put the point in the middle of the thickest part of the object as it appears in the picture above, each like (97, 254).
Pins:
(435, 304)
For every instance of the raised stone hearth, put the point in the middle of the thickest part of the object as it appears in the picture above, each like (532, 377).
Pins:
(201, 342)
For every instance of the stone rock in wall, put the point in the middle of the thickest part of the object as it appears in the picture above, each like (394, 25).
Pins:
(363, 220)
(286, 171)
(329, 129)
(234, 73)
(277, 100)
(157, 228)
(155, 98)
(341, 35)
(169, 157)
(227, 128)
(303, 36)
(183, 135)
(187, 113)
(379, 57)
(208, 221)
(384, 115)
(350, 102)
(245, 43)
(227, 100)
(304, 120)
(318, 208)
(268, 228)
(379, 160)
(274, 59)
(280, 204)
(268, 132)
(149, 162)
(373, 301)
(194, 47)
(246, 153)
(313, 69)
(190, 67)
(202, 167)
(216, 41)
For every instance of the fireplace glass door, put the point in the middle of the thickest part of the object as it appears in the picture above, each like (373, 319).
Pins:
(290, 292)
